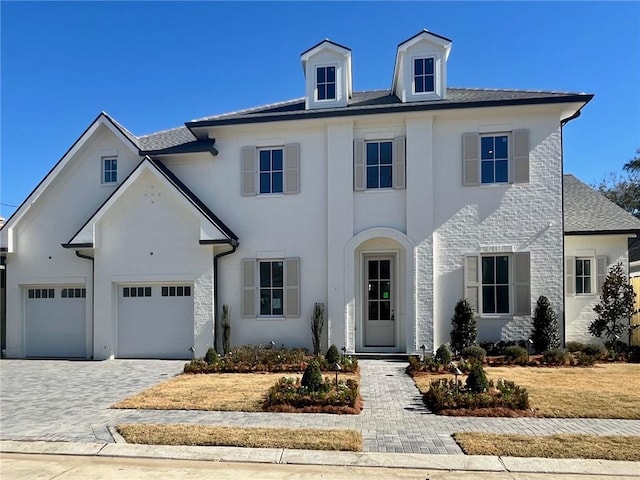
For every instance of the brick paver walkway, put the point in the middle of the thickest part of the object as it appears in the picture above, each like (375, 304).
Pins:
(69, 401)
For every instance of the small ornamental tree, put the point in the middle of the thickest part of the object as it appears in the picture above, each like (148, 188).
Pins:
(477, 380)
(615, 308)
(464, 332)
(545, 326)
(332, 356)
(312, 377)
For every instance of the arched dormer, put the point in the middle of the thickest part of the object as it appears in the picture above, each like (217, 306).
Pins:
(327, 69)
(420, 72)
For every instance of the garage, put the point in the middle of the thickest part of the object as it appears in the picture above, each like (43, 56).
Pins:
(55, 321)
(155, 321)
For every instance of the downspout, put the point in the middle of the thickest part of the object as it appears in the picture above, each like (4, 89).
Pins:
(234, 247)
(93, 283)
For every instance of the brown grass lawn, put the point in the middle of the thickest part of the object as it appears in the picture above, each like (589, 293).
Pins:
(180, 434)
(603, 391)
(550, 446)
(240, 392)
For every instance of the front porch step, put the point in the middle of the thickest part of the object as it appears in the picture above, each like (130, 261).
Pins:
(403, 357)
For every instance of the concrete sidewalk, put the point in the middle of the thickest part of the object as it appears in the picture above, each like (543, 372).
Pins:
(460, 463)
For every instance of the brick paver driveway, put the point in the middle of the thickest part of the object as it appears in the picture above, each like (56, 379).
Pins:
(67, 400)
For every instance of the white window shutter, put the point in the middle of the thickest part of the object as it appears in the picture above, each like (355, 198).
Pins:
(292, 168)
(292, 294)
(358, 165)
(522, 283)
(570, 275)
(248, 287)
(470, 159)
(601, 272)
(472, 281)
(521, 156)
(399, 163)
(248, 160)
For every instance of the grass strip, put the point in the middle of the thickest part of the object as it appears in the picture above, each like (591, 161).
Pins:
(550, 446)
(208, 435)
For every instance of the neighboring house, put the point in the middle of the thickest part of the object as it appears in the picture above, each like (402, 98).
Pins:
(597, 234)
(388, 206)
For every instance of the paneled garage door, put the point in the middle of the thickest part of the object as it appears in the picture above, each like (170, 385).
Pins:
(155, 321)
(55, 321)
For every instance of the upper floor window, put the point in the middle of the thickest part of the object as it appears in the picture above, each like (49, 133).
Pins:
(583, 276)
(494, 159)
(109, 169)
(495, 284)
(326, 83)
(271, 171)
(423, 75)
(380, 164)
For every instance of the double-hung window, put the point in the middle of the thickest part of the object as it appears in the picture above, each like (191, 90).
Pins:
(271, 287)
(271, 170)
(495, 284)
(583, 276)
(326, 83)
(109, 170)
(423, 75)
(494, 158)
(380, 164)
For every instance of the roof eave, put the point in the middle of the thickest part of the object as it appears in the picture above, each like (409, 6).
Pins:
(629, 231)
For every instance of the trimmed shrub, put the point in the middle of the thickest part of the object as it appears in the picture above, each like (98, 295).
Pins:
(211, 357)
(332, 356)
(445, 394)
(477, 380)
(475, 352)
(575, 346)
(464, 331)
(443, 355)
(312, 377)
(584, 360)
(556, 356)
(288, 394)
(516, 354)
(595, 350)
(545, 334)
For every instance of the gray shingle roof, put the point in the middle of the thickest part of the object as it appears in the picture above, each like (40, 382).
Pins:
(165, 139)
(586, 211)
(384, 101)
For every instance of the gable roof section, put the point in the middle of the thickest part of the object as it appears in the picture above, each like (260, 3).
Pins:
(84, 238)
(588, 212)
(384, 101)
(101, 119)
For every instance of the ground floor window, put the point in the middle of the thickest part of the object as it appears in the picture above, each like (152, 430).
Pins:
(583, 275)
(495, 284)
(271, 287)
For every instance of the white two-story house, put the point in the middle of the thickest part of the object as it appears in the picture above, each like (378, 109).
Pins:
(388, 206)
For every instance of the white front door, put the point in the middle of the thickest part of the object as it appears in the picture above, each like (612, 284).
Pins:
(379, 301)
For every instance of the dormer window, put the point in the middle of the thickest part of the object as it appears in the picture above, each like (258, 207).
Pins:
(423, 75)
(326, 83)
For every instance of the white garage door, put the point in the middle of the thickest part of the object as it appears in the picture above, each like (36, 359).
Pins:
(55, 321)
(155, 321)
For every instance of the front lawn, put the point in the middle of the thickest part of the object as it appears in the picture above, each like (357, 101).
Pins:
(601, 391)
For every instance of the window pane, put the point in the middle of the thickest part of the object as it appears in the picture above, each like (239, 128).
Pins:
(265, 302)
(84, 293)
(385, 269)
(487, 172)
(321, 75)
(488, 270)
(331, 74)
(486, 148)
(502, 299)
(133, 292)
(502, 171)
(385, 290)
(579, 267)
(38, 293)
(385, 153)
(385, 177)
(172, 291)
(276, 159)
(322, 92)
(428, 66)
(180, 291)
(502, 149)
(373, 290)
(373, 310)
(372, 177)
(125, 292)
(372, 153)
(265, 164)
(488, 300)
(428, 84)
(277, 183)
(331, 90)
(419, 84)
(373, 269)
(502, 269)
(418, 66)
(385, 310)
(587, 285)
(51, 293)
(64, 293)
(265, 183)
(587, 267)
(265, 274)
(277, 274)
(579, 285)
(277, 303)
(165, 291)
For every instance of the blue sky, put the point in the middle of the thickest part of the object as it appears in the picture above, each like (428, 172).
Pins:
(155, 65)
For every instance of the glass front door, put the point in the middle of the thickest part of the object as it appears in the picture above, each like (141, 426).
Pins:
(379, 302)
